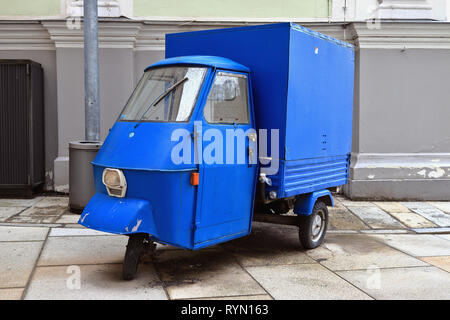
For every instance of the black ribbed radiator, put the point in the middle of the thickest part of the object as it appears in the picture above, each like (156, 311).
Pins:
(22, 150)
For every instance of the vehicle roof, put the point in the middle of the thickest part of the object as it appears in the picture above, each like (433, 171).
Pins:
(209, 61)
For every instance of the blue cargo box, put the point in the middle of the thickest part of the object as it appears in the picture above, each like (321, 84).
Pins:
(302, 83)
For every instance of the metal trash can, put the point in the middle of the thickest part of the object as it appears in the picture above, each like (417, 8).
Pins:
(81, 176)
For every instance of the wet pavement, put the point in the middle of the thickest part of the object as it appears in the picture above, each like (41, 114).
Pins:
(373, 250)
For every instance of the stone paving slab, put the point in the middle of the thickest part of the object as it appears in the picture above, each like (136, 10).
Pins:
(442, 262)
(73, 225)
(52, 202)
(383, 231)
(96, 282)
(268, 245)
(343, 231)
(53, 211)
(84, 232)
(391, 207)
(349, 203)
(352, 252)
(418, 283)
(436, 230)
(342, 219)
(40, 225)
(417, 205)
(412, 220)
(83, 250)
(304, 281)
(20, 202)
(17, 262)
(72, 232)
(247, 257)
(418, 245)
(11, 294)
(68, 218)
(39, 215)
(444, 236)
(205, 273)
(441, 205)
(429, 212)
(7, 212)
(376, 218)
(22, 233)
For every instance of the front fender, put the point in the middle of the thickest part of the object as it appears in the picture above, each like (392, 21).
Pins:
(304, 204)
(118, 215)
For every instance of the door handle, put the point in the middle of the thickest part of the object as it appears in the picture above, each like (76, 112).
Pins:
(250, 151)
(249, 156)
(252, 136)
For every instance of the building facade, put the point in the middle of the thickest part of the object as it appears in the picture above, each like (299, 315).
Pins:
(401, 131)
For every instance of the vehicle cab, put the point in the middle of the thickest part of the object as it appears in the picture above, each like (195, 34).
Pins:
(167, 168)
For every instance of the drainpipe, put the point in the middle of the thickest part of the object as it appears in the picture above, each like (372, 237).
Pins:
(91, 92)
(82, 153)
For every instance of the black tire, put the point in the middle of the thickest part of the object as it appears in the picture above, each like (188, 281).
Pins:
(135, 249)
(310, 236)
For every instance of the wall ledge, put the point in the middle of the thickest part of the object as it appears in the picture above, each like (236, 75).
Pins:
(402, 35)
(399, 176)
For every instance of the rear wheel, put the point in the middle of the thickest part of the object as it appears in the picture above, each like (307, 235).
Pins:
(312, 228)
(136, 247)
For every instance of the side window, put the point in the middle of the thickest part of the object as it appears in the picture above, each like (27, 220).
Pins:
(228, 99)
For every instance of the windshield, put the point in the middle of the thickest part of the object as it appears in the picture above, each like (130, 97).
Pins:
(165, 95)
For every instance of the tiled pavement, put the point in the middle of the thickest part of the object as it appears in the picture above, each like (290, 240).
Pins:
(374, 250)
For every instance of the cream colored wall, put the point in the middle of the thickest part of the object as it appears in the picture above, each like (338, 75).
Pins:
(175, 9)
(226, 9)
(30, 8)
(223, 10)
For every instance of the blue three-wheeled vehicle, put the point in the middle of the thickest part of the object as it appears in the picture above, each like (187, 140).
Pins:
(234, 125)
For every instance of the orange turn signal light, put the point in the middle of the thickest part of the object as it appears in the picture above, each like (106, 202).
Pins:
(194, 178)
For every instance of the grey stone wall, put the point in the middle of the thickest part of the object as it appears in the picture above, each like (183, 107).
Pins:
(117, 80)
(401, 145)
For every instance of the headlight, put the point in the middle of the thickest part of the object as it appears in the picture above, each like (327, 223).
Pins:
(115, 182)
(112, 179)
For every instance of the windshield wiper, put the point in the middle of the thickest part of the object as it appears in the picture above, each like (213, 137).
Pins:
(161, 96)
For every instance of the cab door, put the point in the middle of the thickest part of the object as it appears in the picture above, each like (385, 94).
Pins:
(228, 167)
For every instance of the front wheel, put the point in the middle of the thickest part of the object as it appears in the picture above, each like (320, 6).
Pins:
(136, 246)
(312, 228)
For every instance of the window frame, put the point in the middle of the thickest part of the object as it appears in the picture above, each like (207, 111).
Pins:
(234, 74)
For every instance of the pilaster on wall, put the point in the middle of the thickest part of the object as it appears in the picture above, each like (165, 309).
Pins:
(109, 8)
(398, 9)
(401, 112)
(392, 35)
(401, 10)
(29, 40)
(116, 57)
(111, 34)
